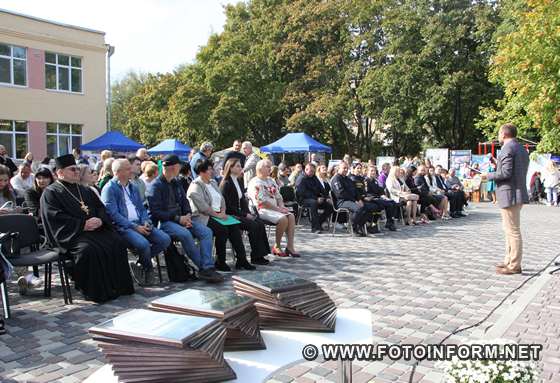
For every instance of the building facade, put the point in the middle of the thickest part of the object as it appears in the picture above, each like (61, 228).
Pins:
(52, 86)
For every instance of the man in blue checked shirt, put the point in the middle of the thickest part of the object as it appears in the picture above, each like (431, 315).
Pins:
(125, 207)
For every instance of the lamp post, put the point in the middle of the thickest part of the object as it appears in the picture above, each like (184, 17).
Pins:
(110, 51)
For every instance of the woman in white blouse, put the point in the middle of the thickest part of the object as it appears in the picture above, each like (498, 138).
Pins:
(400, 192)
(265, 195)
(209, 208)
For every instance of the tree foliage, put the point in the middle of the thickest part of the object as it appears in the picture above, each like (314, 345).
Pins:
(527, 65)
(364, 76)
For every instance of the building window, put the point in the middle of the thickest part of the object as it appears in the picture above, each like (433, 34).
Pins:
(62, 138)
(13, 65)
(63, 72)
(13, 135)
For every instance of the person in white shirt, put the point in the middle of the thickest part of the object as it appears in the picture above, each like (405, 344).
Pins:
(551, 183)
(23, 180)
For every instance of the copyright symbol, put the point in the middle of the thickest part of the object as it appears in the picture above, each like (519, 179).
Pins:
(310, 352)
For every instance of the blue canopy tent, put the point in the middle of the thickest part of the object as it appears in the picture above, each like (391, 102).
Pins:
(296, 143)
(170, 146)
(115, 141)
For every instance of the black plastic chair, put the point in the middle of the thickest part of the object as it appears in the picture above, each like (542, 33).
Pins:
(28, 238)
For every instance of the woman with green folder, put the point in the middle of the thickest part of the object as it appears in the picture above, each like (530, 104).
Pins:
(209, 207)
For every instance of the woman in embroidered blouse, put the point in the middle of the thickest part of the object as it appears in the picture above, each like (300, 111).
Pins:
(265, 195)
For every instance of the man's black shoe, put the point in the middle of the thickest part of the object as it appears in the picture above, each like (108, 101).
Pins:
(391, 227)
(373, 230)
(222, 266)
(210, 276)
(260, 261)
(244, 265)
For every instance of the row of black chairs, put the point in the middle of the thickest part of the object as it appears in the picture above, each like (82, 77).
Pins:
(23, 245)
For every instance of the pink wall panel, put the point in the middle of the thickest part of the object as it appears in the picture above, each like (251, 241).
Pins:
(37, 139)
(36, 68)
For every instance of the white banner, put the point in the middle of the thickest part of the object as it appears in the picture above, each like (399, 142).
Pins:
(438, 157)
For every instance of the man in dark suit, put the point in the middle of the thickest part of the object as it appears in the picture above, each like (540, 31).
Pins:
(348, 197)
(235, 153)
(511, 192)
(315, 195)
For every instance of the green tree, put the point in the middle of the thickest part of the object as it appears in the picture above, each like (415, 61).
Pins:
(527, 65)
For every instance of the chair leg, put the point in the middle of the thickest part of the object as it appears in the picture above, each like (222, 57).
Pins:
(300, 212)
(48, 279)
(159, 269)
(65, 282)
(335, 222)
(5, 300)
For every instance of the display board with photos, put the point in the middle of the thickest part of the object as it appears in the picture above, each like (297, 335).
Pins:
(150, 346)
(287, 302)
(237, 313)
(459, 158)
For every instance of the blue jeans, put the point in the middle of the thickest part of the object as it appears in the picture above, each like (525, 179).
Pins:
(147, 247)
(202, 258)
(551, 195)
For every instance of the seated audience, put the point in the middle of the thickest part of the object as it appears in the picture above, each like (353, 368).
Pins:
(237, 206)
(7, 161)
(135, 173)
(456, 198)
(28, 159)
(23, 180)
(208, 206)
(347, 197)
(168, 206)
(314, 193)
(76, 221)
(106, 173)
(150, 173)
(295, 175)
(43, 178)
(142, 155)
(400, 193)
(7, 195)
(454, 183)
(235, 153)
(105, 154)
(88, 178)
(437, 193)
(369, 202)
(206, 149)
(126, 208)
(250, 167)
(428, 200)
(265, 195)
(377, 192)
(185, 176)
(281, 174)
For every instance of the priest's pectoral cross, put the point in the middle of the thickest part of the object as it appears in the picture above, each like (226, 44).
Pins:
(84, 207)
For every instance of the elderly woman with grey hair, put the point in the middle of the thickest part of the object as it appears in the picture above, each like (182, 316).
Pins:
(265, 195)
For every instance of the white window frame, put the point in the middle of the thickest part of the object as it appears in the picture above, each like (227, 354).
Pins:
(56, 65)
(12, 58)
(15, 133)
(64, 136)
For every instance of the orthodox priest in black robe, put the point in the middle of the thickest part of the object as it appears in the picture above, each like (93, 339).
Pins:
(75, 220)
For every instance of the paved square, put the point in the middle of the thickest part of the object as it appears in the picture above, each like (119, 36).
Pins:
(420, 283)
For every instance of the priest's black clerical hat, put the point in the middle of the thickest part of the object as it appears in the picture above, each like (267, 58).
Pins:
(65, 161)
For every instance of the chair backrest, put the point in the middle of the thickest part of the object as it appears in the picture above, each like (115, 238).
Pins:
(288, 193)
(26, 227)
